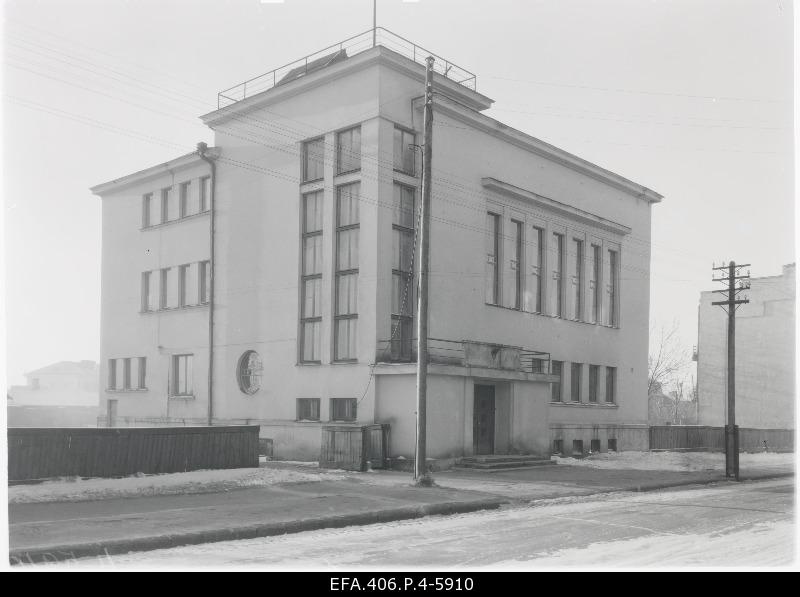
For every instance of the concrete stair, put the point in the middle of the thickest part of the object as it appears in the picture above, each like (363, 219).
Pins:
(502, 462)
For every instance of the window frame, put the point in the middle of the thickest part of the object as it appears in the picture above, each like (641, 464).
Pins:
(165, 197)
(558, 274)
(253, 376)
(577, 306)
(204, 199)
(332, 413)
(493, 259)
(404, 147)
(315, 406)
(611, 385)
(305, 160)
(175, 369)
(147, 210)
(594, 379)
(403, 323)
(183, 199)
(557, 388)
(340, 169)
(339, 274)
(304, 278)
(576, 382)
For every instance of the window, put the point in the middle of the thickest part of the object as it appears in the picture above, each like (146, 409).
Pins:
(594, 446)
(248, 372)
(575, 382)
(611, 385)
(169, 289)
(612, 444)
(555, 387)
(404, 154)
(112, 374)
(343, 409)
(311, 279)
(182, 275)
(516, 265)
(577, 280)
(313, 159)
(557, 293)
(492, 258)
(558, 446)
(308, 409)
(142, 374)
(594, 283)
(185, 199)
(147, 207)
(612, 289)
(181, 375)
(165, 204)
(148, 292)
(593, 373)
(204, 282)
(577, 447)
(348, 150)
(205, 193)
(403, 224)
(533, 295)
(346, 307)
(126, 374)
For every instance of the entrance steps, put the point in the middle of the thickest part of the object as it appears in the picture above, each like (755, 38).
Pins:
(502, 462)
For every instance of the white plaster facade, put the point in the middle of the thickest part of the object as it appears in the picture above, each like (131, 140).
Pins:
(479, 166)
(765, 356)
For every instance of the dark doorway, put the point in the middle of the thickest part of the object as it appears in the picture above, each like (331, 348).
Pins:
(483, 420)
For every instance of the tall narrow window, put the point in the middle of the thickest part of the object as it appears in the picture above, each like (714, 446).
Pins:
(313, 159)
(575, 381)
(311, 279)
(577, 279)
(594, 371)
(594, 283)
(204, 282)
(346, 307)
(165, 203)
(185, 199)
(403, 223)
(557, 287)
(147, 210)
(126, 374)
(142, 377)
(557, 368)
(205, 193)
(611, 385)
(163, 300)
(516, 265)
(348, 150)
(112, 374)
(533, 294)
(612, 289)
(492, 258)
(181, 375)
(148, 292)
(183, 272)
(404, 155)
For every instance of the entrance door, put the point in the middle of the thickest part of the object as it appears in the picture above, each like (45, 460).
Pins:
(483, 420)
(111, 413)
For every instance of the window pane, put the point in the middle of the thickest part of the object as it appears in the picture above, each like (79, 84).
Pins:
(403, 212)
(312, 255)
(402, 330)
(347, 294)
(147, 206)
(347, 249)
(611, 384)
(557, 283)
(311, 341)
(402, 249)
(575, 382)
(348, 150)
(556, 387)
(313, 159)
(404, 151)
(492, 255)
(312, 298)
(346, 338)
(402, 291)
(347, 204)
(142, 373)
(313, 212)
(593, 372)
(205, 193)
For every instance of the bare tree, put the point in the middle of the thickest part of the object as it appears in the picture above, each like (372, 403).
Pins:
(667, 360)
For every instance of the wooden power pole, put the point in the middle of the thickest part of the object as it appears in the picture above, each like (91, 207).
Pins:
(420, 467)
(730, 305)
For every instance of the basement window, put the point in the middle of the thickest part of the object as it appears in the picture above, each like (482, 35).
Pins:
(612, 445)
(577, 447)
(558, 446)
(595, 446)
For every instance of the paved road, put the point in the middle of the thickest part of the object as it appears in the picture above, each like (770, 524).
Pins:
(750, 524)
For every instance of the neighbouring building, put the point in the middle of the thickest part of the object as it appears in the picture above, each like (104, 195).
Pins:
(765, 355)
(63, 394)
(292, 242)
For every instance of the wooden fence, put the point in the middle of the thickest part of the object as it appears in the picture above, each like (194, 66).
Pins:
(39, 453)
(353, 447)
(712, 439)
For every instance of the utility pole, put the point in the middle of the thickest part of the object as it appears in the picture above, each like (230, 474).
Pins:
(420, 468)
(729, 306)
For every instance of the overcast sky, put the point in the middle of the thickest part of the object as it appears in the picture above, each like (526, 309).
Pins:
(692, 98)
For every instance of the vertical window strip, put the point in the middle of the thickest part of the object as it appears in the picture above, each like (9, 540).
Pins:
(575, 381)
(404, 154)
(313, 159)
(346, 296)
(112, 374)
(493, 258)
(403, 226)
(558, 275)
(147, 206)
(613, 288)
(558, 370)
(516, 263)
(311, 279)
(142, 374)
(538, 268)
(611, 385)
(577, 309)
(205, 193)
(348, 150)
(593, 375)
(165, 198)
(595, 283)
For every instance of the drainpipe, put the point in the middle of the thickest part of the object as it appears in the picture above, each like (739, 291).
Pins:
(201, 151)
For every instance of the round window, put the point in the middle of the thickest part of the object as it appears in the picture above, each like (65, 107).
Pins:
(249, 372)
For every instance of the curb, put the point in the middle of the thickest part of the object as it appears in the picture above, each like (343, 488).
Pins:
(56, 553)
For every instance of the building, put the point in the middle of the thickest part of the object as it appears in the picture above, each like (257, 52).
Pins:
(765, 355)
(63, 394)
(311, 190)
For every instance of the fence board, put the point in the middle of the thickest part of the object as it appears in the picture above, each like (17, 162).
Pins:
(41, 453)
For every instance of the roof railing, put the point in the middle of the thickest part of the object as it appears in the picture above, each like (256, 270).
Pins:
(340, 51)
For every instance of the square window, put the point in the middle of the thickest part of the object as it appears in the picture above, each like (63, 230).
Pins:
(343, 409)
(308, 409)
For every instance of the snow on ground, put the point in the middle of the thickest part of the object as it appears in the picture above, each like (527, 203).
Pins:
(676, 461)
(208, 481)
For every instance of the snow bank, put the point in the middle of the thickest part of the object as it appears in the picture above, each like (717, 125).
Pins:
(676, 461)
(208, 481)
